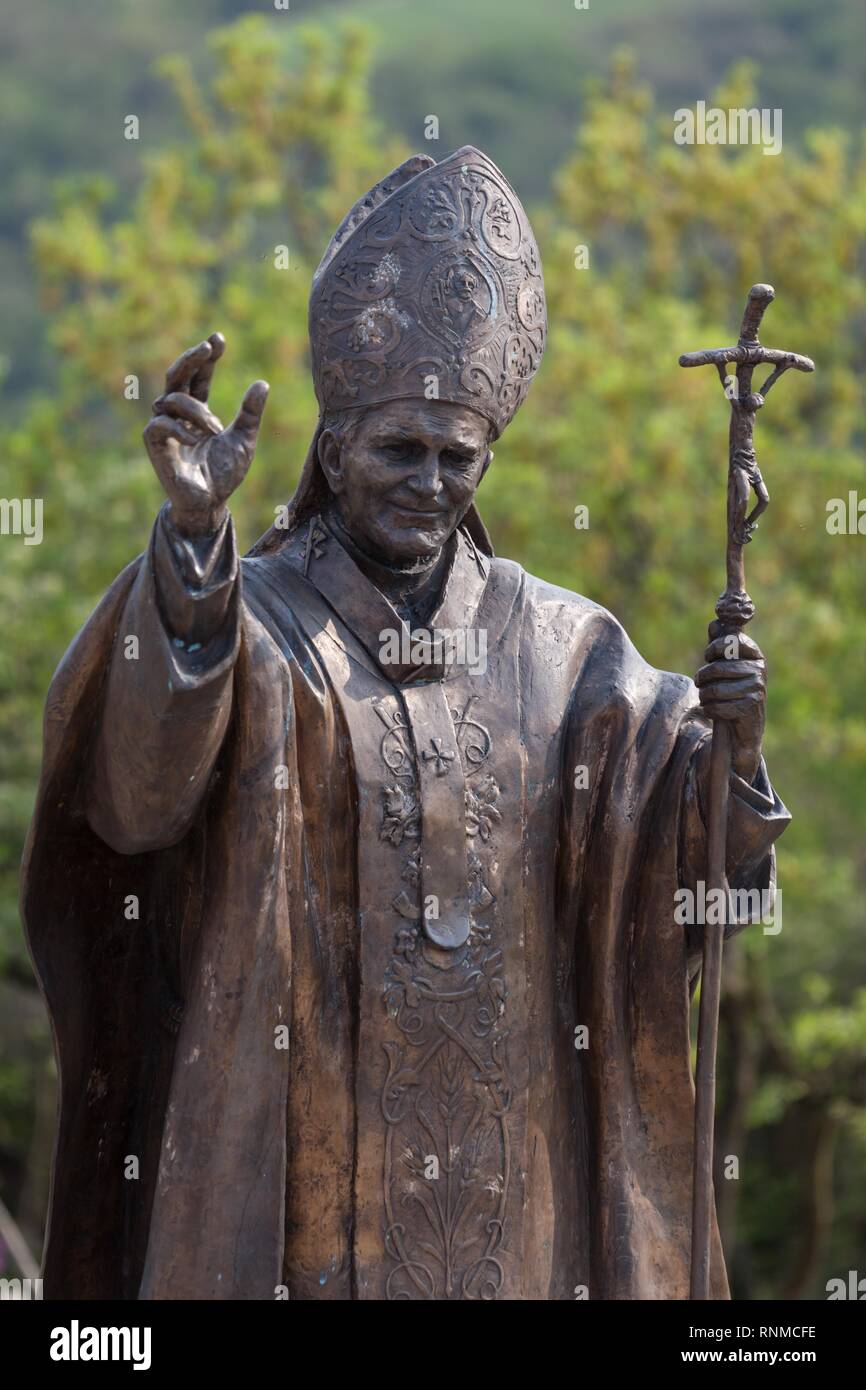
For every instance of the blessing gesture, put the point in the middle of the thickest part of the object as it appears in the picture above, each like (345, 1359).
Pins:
(198, 461)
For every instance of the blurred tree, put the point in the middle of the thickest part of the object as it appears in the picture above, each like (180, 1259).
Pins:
(274, 156)
(674, 237)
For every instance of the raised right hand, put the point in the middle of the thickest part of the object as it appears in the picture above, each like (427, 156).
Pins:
(198, 462)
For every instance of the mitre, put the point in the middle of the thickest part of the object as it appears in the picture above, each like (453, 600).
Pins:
(431, 288)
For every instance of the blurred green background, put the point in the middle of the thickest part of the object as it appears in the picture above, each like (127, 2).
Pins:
(260, 127)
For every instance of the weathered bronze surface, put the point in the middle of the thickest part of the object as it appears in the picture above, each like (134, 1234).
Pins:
(734, 610)
(404, 1011)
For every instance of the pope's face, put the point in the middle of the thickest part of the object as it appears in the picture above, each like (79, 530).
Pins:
(405, 480)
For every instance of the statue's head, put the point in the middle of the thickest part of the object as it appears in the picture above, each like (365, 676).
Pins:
(427, 325)
(403, 474)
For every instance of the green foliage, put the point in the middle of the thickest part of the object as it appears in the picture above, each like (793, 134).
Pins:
(273, 157)
(676, 235)
(278, 142)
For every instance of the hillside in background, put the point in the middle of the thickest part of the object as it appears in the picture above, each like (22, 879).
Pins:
(502, 74)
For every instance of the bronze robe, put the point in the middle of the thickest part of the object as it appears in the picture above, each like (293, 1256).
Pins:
(319, 1096)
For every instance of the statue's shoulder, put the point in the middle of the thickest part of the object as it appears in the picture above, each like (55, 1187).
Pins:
(558, 621)
(546, 603)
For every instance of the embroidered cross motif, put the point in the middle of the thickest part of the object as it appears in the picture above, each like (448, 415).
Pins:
(441, 759)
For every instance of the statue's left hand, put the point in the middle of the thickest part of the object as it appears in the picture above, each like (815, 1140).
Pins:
(733, 686)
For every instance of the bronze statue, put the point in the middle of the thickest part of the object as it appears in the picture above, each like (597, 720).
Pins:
(351, 882)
